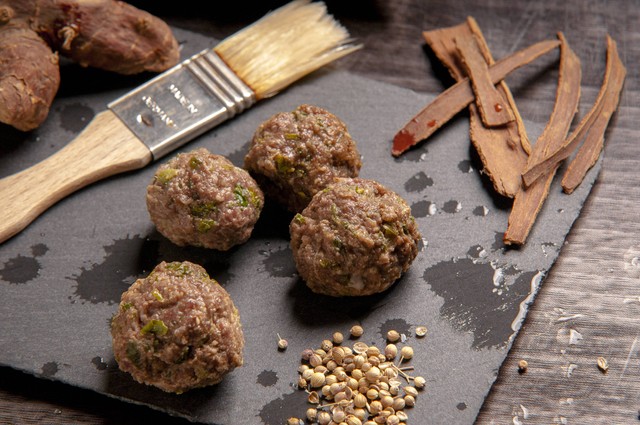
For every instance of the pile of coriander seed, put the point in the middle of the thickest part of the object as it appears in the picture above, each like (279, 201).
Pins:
(358, 385)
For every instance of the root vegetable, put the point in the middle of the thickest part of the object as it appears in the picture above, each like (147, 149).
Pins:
(105, 34)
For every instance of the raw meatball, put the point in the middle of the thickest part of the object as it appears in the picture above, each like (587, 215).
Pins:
(202, 199)
(356, 237)
(177, 329)
(293, 155)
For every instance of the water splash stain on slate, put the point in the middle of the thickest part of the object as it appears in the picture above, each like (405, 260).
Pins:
(417, 154)
(421, 209)
(22, 269)
(279, 263)
(480, 211)
(461, 406)
(399, 325)
(277, 411)
(452, 207)
(498, 243)
(418, 182)
(75, 116)
(105, 282)
(156, 248)
(472, 301)
(237, 156)
(465, 166)
(267, 378)
(99, 363)
(477, 251)
(49, 369)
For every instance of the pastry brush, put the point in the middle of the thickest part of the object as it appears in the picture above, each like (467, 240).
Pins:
(176, 106)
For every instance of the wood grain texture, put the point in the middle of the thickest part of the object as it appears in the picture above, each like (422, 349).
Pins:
(597, 277)
(104, 148)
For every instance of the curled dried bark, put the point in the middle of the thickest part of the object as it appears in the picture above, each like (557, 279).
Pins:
(590, 130)
(502, 150)
(460, 95)
(493, 107)
(529, 200)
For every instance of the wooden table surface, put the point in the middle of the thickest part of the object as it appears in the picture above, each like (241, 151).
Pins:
(589, 304)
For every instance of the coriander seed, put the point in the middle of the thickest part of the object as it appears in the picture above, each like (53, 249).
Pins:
(406, 352)
(323, 418)
(306, 354)
(317, 380)
(409, 401)
(421, 331)
(372, 394)
(373, 374)
(294, 421)
(603, 364)
(411, 391)
(282, 343)
(387, 401)
(419, 382)
(360, 400)
(326, 345)
(393, 336)
(390, 351)
(353, 420)
(356, 331)
(522, 366)
(312, 414)
(337, 338)
(393, 420)
(375, 407)
(398, 403)
(313, 398)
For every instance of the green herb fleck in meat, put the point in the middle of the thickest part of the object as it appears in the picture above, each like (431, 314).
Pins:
(194, 162)
(203, 209)
(177, 266)
(283, 165)
(292, 136)
(156, 327)
(205, 224)
(299, 218)
(359, 190)
(157, 295)
(165, 175)
(245, 195)
(126, 306)
(133, 354)
(389, 231)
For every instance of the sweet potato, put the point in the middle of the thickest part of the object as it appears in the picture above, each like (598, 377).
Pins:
(105, 34)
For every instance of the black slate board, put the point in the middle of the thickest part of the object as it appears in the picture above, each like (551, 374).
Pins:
(61, 279)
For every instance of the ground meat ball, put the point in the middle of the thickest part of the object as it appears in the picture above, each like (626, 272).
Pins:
(177, 329)
(355, 238)
(202, 199)
(294, 155)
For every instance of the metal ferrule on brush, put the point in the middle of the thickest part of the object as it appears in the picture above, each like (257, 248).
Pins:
(183, 102)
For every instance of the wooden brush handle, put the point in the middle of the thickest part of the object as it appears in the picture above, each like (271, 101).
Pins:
(104, 148)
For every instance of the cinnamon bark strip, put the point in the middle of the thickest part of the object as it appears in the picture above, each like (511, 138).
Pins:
(460, 95)
(590, 129)
(529, 200)
(502, 150)
(493, 107)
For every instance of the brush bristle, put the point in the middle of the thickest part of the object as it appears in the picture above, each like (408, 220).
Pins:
(284, 46)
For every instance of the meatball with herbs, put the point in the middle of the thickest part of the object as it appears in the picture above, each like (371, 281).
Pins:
(293, 155)
(356, 237)
(177, 329)
(202, 199)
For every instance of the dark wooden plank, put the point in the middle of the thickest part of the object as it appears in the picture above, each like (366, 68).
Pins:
(590, 298)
